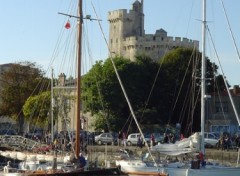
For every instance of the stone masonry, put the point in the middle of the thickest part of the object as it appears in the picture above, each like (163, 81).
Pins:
(127, 36)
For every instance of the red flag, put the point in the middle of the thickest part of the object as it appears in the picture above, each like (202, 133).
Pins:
(67, 25)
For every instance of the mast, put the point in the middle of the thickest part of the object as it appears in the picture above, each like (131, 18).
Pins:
(52, 130)
(79, 53)
(203, 84)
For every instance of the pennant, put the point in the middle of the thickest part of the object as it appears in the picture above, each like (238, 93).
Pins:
(67, 25)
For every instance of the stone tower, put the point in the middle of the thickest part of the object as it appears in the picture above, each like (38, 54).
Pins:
(125, 24)
(127, 37)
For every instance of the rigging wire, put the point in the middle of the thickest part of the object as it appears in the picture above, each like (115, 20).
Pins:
(217, 88)
(58, 48)
(157, 74)
(224, 78)
(181, 86)
(98, 87)
(122, 87)
(230, 30)
(221, 104)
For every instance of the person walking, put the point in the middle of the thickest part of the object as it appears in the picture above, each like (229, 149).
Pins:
(82, 161)
(165, 138)
(226, 142)
(124, 139)
(140, 141)
(237, 141)
(120, 137)
(152, 140)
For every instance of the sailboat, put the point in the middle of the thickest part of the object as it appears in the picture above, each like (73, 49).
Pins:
(194, 144)
(63, 170)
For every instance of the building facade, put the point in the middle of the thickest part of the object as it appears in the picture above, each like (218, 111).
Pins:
(127, 36)
(65, 94)
(220, 113)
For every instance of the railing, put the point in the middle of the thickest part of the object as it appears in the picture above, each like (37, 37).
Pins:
(19, 143)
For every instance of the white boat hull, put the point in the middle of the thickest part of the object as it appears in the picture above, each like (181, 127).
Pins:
(203, 172)
(138, 167)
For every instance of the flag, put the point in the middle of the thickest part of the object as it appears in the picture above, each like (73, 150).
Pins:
(67, 25)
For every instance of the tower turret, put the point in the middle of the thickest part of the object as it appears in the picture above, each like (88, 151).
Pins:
(125, 24)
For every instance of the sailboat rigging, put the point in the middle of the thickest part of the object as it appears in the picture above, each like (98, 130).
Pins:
(79, 54)
(181, 168)
(79, 170)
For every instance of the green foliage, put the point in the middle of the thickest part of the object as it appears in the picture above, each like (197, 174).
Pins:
(182, 68)
(18, 82)
(160, 93)
(102, 91)
(37, 108)
(102, 122)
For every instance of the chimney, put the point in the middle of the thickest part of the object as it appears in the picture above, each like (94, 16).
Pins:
(61, 79)
(236, 89)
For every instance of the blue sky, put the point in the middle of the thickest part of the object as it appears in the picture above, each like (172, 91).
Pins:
(30, 29)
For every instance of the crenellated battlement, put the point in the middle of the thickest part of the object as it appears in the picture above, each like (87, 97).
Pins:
(127, 37)
(169, 39)
(116, 14)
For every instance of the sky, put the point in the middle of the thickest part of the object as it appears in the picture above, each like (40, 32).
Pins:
(31, 30)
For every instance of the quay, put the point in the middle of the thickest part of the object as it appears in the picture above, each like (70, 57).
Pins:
(103, 153)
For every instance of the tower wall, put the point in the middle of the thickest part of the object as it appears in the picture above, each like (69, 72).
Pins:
(124, 24)
(128, 39)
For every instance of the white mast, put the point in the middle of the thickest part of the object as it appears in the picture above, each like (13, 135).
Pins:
(203, 84)
(52, 130)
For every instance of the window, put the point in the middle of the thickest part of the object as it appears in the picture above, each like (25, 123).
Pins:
(221, 107)
(220, 128)
(211, 136)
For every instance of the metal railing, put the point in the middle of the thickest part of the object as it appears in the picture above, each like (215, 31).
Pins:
(17, 142)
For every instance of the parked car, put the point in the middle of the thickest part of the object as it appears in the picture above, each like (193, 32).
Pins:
(85, 136)
(105, 138)
(210, 139)
(133, 139)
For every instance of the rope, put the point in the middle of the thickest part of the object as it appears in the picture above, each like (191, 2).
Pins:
(230, 30)
(224, 78)
(123, 89)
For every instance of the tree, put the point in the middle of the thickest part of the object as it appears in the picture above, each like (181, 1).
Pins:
(36, 109)
(182, 85)
(168, 93)
(102, 91)
(19, 82)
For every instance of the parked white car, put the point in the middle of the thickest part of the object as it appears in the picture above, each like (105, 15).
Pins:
(210, 139)
(133, 139)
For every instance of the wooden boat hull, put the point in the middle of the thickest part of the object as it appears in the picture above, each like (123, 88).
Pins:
(105, 172)
(146, 173)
